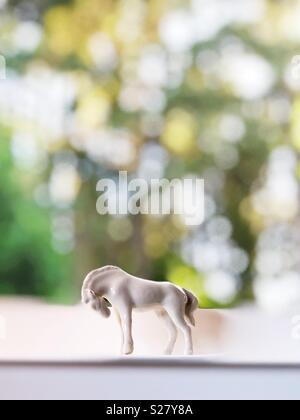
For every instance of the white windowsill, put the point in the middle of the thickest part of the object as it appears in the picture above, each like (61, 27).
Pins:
(54, 352)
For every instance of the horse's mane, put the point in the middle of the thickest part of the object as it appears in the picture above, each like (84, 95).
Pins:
(91, 276)
(108, 268)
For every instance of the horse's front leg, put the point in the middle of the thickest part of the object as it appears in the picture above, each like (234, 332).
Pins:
(121, 328)
(126, 320)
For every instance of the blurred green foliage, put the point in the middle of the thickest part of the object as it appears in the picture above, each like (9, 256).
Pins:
(28, 263)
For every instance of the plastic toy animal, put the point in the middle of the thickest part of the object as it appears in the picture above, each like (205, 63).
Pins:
(112, 287)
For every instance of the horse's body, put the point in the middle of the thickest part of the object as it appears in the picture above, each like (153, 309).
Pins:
(111, 286)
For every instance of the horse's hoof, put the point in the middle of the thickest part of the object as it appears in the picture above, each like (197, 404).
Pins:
(128, 351)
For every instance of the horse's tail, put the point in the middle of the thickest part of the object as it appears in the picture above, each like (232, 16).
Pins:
(191, 305)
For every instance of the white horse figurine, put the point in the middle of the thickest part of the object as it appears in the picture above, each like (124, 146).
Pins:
(111, 286)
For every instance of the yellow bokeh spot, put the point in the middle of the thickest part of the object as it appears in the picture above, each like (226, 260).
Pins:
(62, 36)
(180, 132)
(155, 246)
(295, 124)
(94, 108)
(69, 27)
(298, 171)
(248, 213)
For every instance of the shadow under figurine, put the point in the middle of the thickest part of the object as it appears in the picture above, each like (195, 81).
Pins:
(112, 287)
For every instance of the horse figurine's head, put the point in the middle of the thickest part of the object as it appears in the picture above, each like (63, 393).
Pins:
(98, 303)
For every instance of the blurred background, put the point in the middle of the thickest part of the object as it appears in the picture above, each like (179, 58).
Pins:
(160, 89)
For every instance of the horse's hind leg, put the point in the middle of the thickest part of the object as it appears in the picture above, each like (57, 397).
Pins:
(161, 313)
(176, 313)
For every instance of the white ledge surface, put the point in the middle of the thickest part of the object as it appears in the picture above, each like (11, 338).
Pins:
(56, 352)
